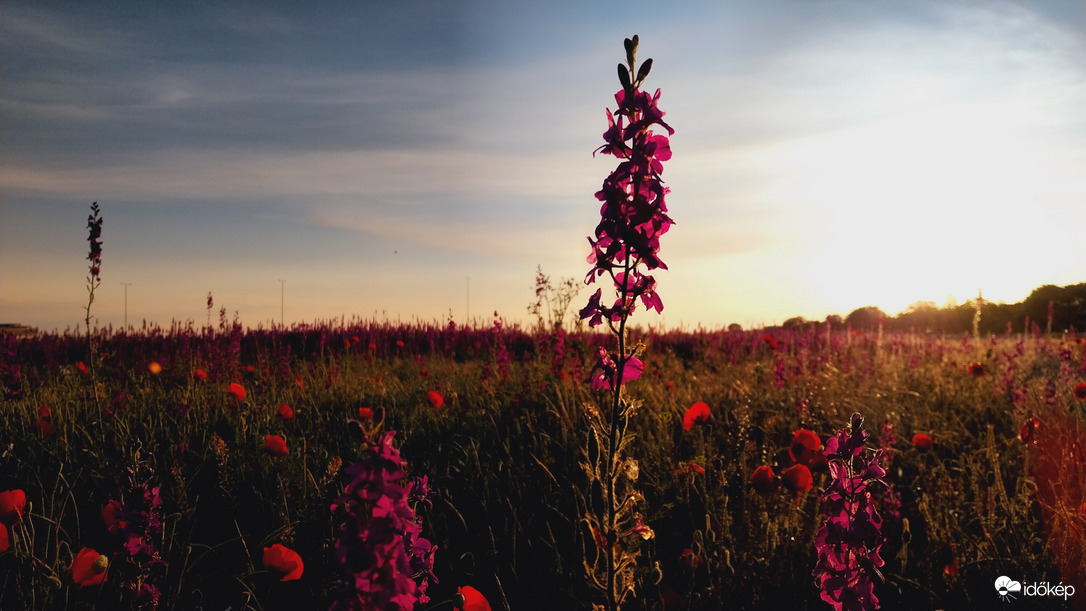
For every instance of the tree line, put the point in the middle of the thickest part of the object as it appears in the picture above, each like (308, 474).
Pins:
(1048, 309)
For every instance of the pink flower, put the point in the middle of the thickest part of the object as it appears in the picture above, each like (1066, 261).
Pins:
(697, 413)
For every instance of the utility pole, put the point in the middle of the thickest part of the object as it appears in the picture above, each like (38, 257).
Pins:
(281, 293)
(467, 289)
(126, 285)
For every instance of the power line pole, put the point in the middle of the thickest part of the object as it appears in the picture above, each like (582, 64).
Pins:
(467, 290)
(126, 285)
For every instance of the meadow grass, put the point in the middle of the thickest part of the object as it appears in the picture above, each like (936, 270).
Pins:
(504, 455)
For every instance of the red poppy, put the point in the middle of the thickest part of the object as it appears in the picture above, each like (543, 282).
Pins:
(89, 567)
(237, 391)
(690, 559)
(1080, 391)
(763, 479)
(154, 367)
(5, 541)
(399, 343)
(922, 442)
(1028, 433)
(805, 445)
(44, 412)
(770, 341)
(977, 370)
(435, 399)
(669, 385)
(797, 478)
(275, 445)
(365, 413)
(284, 561)
(81, 367)
(951, 568)
(697, 413)
(44, 428)
(690, 468)
(109, 517)
(285, 412)
(12, 505)
(199, 375)
(473, 599)
(373, 346)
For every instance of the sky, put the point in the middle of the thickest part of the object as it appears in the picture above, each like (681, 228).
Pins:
(415, 161)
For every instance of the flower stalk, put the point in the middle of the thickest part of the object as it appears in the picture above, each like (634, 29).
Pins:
(94, 280)
(625, 246)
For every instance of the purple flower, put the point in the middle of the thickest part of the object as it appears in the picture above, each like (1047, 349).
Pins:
(634, 214)
(379, 546)
(94, 224)
(850, 538)
(605, 371)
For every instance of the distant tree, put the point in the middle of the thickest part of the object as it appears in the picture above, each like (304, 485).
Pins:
(796, 322)
(835, 320)
(735, 327)
(867, 317)
(920, 316)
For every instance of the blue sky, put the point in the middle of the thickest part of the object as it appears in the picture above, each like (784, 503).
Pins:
(375, 156)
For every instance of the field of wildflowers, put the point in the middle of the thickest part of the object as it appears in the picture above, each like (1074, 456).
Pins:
(364, 465)
(222, 467)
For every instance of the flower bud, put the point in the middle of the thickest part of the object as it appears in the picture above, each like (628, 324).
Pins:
(624, 77)
(643, 71)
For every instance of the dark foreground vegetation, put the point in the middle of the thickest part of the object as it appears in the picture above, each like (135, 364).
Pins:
(154, 452)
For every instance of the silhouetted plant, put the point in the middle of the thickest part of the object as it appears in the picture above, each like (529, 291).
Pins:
(634, 216)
